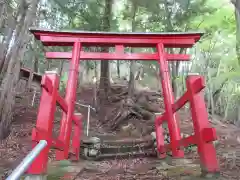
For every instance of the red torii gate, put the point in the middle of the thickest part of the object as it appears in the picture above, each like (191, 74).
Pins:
(204, 134)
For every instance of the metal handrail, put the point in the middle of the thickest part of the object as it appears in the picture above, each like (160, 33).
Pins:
(27, 161)
(88, 116)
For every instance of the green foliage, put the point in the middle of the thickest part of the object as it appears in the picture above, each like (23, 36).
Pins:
(221, 20)
(218, 59)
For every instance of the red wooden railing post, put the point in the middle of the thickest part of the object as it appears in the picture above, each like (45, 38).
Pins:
(66, 122)
(201, 124)
(159, 137)
(77, 136)
(174, 130)
(44, 125)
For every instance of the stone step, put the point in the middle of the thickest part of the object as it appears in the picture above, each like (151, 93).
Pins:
(133, 154)
(125, 149)
(130, 142)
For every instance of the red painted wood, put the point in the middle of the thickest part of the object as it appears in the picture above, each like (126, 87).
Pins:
(174, 130)
(39, 134)
(77, 137)
(209, 134)
(169, 42)
(70, 98)
(161, 118)
(175, 107)
(117, 56)
(184, 142)
(198, 84)
(45, 121)
(62, 103)
(160, 137)
(119, 35)
(42, 31)
(180, 102)
(47, 84)
(199, 113)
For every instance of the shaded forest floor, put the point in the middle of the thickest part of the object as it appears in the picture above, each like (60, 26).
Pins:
(18, 144)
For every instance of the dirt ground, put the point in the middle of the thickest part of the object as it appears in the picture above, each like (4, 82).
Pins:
(18, 144)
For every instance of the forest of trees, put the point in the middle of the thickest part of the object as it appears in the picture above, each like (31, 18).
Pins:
(216, 56)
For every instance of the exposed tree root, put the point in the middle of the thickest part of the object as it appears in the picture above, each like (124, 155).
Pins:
(141, 106)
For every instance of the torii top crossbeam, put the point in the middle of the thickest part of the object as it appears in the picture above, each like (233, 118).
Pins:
(67, 38)
(118, 39)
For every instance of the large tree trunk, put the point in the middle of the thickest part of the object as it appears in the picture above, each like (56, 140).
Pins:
(5, 45)
(131, 83)
(104, 85)
(237, 17)
(3, 8)
(21, 15)
(7, 98)
(7, 25)
(118, 69)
